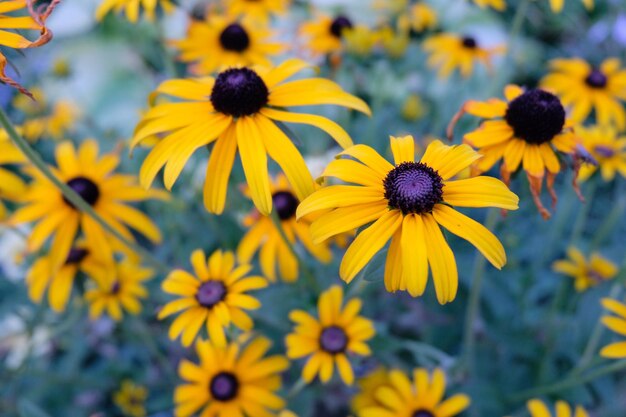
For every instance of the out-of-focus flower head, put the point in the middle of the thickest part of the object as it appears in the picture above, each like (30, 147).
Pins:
(538, 408)
(607, 149)
(258, 10)
(557, 7)
(131, 398)
(586, 273)
(133, 8)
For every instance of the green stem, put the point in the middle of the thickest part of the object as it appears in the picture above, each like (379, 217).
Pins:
(69, 194)
(296, 388)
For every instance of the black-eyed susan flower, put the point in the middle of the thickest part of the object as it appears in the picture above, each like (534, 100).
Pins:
(367, 387)
(419, 18)
(215, 297)
(239, 109)
(133, 8)
(422, 397)
(361, 40)
(586, 273)
(265, 238)
(584, 88)
(407, 203)
(118, 287)
(220, 41)
(448, 51)
(93, 178)
(616, 324)
(233, 380)
(557, 7)
(259, 10)
(325, 34)
(607, 149)
(499, 5)
(44, 119)
(394, 42)
(131, 398)
(328, 340)
(538, 408)
(529, 129)
(12, 186)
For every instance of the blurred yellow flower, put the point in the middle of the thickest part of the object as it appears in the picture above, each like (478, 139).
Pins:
(413, 108)
(499, 5)
(367, 388)
(395, 43)
(420, 17)
(360, 40)
(607, 149)
(131, 398)
(538, 408)
(132, 8)
(617, 324)
(12, 186)
(259, 10)
(586, 273)
(325, 34)
(557, 6)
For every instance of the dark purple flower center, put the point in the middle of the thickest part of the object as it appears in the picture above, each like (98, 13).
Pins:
(115, 289)
(339, 25)
(604, 151)
(239, 92)
(235, 38)
(536, 116)
(85, 188)
(413, 187)
(469, 42)
(285, 204)
(224, 386)
(76, 255)
(423, 413)
(596, 79)
(210, 293)
(333, 340)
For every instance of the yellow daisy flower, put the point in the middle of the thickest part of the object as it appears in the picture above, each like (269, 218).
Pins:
(367, 387)
(557, 7)
(220, 42)
(325, 34)
(538, 408)
(229, 381)
(265, 238)
(584, 88)
(499, 5)
(408, 202)
(118, 287)
(419, 18)
(361, 40)
(449, 51)
(617, 324)
(215, 296)
(259, 10)
(12, 187)
(327, 341)
(422, 397)
(132, 8)
(56, 125)
(586, 273)
(393, 42)
(131, 398)
(607, 150)
(528, 129)
(93, 179)
(239, 108)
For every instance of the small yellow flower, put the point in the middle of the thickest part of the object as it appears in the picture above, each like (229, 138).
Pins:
(131, 398)
(617, 324)
(216, 297)
(360, 40)
(557, 7)
(538, 408)
(259, 10)
(12, 186)
(231, 381)
(395, 43)
(586, 273)
(56, 125)
(325, 34)
(420, 17)
(367, 388)
(132, 8)
(413, 108)
(499, 5)
(327, 341)
(422, 397)
(607, 149)
(584, 88)
(118, 287)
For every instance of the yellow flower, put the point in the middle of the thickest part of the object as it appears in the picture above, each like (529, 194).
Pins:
(528, 129)
(132, 8)
(618, 325)
(220, 42)
(367, 387)
(607, 149)
(93, 179)
(557, 6)
(394, 43)
(235, 109)
(420, 17)
(587, 273)
(265, 237)
(499, 5)
(360, 40)
(538, 408)
(215, 297)
(422, 397)
(259, 10)
(287, 413)
(413, 108)
(118, 287)
(408, 202)
(325, 34)
(585, 88)
(233, 380)
(130, 398)
(327, 341)
(12, 187)
(448, 51)
(55, 125)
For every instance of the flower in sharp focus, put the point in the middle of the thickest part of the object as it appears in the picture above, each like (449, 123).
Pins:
(617, 324)
(586, 273)
(12, 187)
(259, 10)
(132, 8)
(538, 408)
(92, 178)
(367, 387)
(219, 42)
(529, 129)
(117, 287)
(232, 380)
(329, 340)
(557, 6)
(422, 397)
(131, 398)
(215, 297)
(239, 108)
(449, 51)
(407, 203)
(499, 5)
(264, 236)
(325, 35)
(606, 148)
(584, 88)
